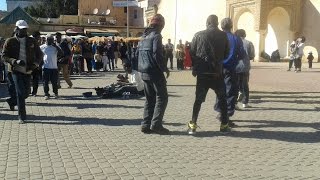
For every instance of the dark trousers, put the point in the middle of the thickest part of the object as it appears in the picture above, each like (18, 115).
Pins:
(50, 75)
(243, 80)
(297, 63)
(310, 63)
(127, 88)
(22, 84)
(290, 63)
(111, 64)
(12, 101)
(204, 83)
(156, 103)
(231, 84)
(89, 64)
(180, 64)
(169, 57)
(36, 74)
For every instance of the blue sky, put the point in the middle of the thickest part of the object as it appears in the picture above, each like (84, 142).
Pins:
(3, 5)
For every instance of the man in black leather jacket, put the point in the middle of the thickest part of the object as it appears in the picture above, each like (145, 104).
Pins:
(208, 49)
(151, 65)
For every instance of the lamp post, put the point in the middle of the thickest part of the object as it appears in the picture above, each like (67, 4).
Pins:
(127, 18)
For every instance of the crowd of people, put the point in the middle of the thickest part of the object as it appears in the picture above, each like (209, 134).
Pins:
(219, 59)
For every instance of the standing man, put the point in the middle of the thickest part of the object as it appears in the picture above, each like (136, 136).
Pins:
(209, 48)
(21, 53)
(63, 61)
(152, 66)
(229, 69)
(300, 46)
(36, 73)
(169, 53)
(243, 68)
(50, 66)
(180, 55)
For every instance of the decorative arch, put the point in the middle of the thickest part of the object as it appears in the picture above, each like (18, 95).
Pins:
(239, 14)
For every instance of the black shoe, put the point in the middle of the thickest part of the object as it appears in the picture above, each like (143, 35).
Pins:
(11, 106)
(161, 131)
(21, 121)
(231, 124)
(146, 130)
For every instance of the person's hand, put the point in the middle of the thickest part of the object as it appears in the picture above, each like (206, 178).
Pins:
(168, 73)
(20, 63)
(194, 73)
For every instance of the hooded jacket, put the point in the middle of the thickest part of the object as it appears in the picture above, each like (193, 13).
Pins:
(150, 55)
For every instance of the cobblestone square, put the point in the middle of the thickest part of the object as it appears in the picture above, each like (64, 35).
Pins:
(91, 138)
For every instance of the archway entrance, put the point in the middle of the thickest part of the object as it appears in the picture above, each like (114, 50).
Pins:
(246, 22)
(278, 32)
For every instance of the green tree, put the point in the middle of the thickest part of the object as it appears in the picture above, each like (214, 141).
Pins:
(53, 8)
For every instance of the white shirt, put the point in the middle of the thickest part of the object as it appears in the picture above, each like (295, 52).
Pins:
(300, 49)
(135, 79)
(50, 56)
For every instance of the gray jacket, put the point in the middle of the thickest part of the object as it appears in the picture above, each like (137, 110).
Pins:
(244, 64)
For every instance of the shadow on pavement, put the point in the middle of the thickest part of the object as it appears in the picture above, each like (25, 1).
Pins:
(63, 120)
(86, 106)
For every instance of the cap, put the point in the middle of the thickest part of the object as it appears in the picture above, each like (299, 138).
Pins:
(22, 24)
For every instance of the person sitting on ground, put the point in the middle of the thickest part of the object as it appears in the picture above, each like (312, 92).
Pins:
(130, 83)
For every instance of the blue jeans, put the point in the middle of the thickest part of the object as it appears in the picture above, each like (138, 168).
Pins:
(231, 84)
(22, 86)
(156, 103)
(50, 75)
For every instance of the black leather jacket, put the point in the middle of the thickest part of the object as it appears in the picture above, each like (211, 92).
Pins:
(208, 50)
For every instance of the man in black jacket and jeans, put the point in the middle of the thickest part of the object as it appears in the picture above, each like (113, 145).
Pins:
(209, 48)
(152, 66)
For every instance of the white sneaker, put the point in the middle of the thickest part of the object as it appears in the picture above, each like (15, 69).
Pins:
(245, 106)
(46, 97)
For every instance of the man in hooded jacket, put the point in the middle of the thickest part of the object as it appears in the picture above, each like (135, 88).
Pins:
(152, 67)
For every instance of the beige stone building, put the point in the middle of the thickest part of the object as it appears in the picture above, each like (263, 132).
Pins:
(103, 10)
(270, 24)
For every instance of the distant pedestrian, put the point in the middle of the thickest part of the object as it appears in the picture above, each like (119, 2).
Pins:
(63, 61)
(169, 53)
(105, 61)
(300, 46)
(187, 60)
(209, 48)
(98, 61)
(292, 57)
(310, 59)
(21, 53)
(36, 73)
(180, 55)
(151, 65)
(50, 66)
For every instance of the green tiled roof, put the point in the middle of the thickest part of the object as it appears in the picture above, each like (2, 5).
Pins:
(18, 14)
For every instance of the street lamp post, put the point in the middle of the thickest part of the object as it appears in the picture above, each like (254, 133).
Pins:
(127, 18)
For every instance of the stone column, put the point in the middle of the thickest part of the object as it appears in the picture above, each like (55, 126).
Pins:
(260, 43)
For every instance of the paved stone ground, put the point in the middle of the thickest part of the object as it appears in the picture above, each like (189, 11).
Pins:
(78, 138)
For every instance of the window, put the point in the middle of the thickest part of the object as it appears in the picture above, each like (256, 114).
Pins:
(125, 10)
(135, 14)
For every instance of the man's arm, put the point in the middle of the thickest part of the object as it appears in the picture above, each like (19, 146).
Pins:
(252, 51)
(6, 53)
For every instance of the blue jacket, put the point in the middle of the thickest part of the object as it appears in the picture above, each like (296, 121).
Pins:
(236, 52)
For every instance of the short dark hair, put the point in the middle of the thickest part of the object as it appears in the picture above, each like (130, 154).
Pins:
(58, 34)
(36, 34)
(241, 33)
(303, 39)
(212, 20)
(226, 24)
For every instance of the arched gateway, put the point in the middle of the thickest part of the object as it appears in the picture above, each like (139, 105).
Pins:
(270, 24)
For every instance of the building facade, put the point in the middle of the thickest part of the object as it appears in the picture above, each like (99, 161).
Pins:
(270, 24)
(12, 4)
(98, 11)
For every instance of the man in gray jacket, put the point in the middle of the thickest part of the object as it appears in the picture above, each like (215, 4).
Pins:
(151, 65)
(243, 68)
